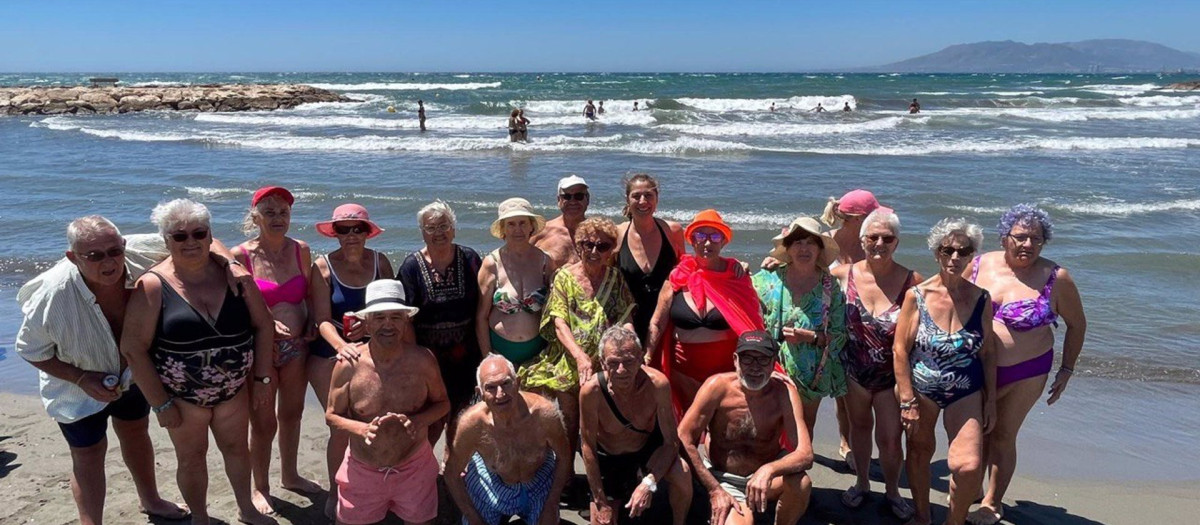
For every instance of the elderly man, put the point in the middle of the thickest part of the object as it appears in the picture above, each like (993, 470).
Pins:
(73, 317)
(747, 414)
(557, 239)
(513, 448)
(386, 400)
(629, 434)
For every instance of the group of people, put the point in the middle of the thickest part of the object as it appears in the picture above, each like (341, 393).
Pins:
(660, 367)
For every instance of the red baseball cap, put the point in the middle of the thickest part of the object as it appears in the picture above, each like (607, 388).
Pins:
(267, 191)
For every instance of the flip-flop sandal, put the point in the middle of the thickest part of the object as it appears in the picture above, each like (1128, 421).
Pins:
(853, 497)
(985, 516)
(900, 508)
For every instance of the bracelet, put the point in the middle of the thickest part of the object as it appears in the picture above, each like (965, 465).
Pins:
(911, 403)
(1066, 369)
(163, 407)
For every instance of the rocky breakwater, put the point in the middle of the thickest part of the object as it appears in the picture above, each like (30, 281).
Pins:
(210, 97)
(1190, 85)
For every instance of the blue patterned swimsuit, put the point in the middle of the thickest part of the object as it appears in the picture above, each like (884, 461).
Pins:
(945, 365)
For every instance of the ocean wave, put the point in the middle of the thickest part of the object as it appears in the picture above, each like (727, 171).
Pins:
(1074, 114)
(157, 83)
(767, 129)
(998, 146)
(62, 124)
(444, 123)
(1101, 208)
(573, 107)
(407, 86)
(1161, 100)
(803, 103)
(1118, 89)
(217, 194)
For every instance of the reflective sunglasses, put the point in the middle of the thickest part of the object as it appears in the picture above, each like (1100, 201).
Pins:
(714, 237)
(437, 228)
(887, 239)
(573, 196)
(964, 252)
(602, 246)
(199, 235)
(97, 255)
(346, 230)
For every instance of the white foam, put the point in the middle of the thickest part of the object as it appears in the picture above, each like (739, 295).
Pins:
(407, 86)
(803, 103)
(768, 129)
(1119, 89)
(1161, 100)
(1011, 93)
(442, 123)
(1122, 209)
(156, 83)
(1076, 114)
(217, 194)
(1001, 146)
(63, 124)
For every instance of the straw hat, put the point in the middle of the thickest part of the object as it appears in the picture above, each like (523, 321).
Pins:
(829, 247)
(385, 295)
(348, 212)
(516, 207)
(712, 219)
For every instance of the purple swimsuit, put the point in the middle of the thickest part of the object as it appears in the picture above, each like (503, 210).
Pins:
(1023, 316)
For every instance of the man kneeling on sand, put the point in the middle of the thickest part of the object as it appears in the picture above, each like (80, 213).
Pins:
(386, 401)
(510, 455)
(629, 437)
(747, 414)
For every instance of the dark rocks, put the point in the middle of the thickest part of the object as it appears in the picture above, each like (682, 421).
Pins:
(1190, 85)
(208, 97)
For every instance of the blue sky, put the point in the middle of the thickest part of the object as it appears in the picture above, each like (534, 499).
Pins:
(614, 36)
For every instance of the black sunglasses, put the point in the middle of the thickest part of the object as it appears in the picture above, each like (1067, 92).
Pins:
(346, 230)
(963, 252)
(97, 255)
(199, 235)
(588, 246)
(762, 360)
(573, 196)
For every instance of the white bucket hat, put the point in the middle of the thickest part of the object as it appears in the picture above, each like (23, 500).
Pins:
(385, 295)
(516, 207)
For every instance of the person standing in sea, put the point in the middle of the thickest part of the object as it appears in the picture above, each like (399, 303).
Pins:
(915, 107)
(73, 315)
(589, 110)
(421, 113)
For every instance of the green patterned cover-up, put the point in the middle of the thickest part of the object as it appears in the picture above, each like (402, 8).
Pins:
(554, 368)
(800, 361)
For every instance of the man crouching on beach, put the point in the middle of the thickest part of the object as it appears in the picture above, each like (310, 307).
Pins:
(746, 413)
(386, 401)
(73, 317)
(510, 455)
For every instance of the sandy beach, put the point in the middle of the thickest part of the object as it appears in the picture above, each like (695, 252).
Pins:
(34, 467)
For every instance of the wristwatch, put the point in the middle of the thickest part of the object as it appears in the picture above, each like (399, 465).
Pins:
(266, 380)
(163, 407)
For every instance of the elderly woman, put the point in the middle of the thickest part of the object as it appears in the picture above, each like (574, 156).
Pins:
(280, 266)
(194, 344)
(710, 301)
(513, 284)
(1029, 293)
(514, 125)
(874, 292)
(442, 279)
(586, 298)
(802, 306)
(342, 287)
(648, 249)
(944, 361)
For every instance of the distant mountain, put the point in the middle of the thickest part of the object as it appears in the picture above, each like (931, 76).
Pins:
(1088, 56)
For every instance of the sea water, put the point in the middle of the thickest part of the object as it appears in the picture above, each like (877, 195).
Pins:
(1114, 159)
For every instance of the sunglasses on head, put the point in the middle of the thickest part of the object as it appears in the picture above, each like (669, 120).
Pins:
(964, 252)
(714, 237)
(97, 255)
(199, 235)
(354, 228)
(887, 239)
(573, 196)
(601, 246)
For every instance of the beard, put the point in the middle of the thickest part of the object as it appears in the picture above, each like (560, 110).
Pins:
(757, 385)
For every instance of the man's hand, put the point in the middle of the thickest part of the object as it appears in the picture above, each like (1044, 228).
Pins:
(604, 513)
(770, 263)
(639, 501)
(92, 384)
(371, 431)
(757, 486)
(722, 503)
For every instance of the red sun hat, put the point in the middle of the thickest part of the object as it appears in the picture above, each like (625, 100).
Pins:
(857, 202)
(268, 191)
(348, 212)
(712, 219)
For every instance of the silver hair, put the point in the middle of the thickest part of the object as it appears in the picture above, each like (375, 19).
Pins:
(437, 208)
(512, 370)
(952, 226)
(620, 336)
(887, 217)
(169, 215)
(86, 228)
(248, 226)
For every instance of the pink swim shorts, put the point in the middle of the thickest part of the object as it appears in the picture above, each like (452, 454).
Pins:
(409, 490)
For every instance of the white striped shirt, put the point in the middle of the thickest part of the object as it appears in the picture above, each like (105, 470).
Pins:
(62, 319)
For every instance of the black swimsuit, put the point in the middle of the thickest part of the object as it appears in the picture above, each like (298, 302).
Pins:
(620, 471)
(685, 318)
(646, 286)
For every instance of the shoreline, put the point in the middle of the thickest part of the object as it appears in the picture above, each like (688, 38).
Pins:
(79, 100)
(34, 468)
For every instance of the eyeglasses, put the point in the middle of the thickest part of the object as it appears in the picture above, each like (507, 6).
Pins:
(887, 239)
(1023, 238)
(583, 195)
(199, 235)
(347, 230)
(764, 360)
(437, 228)
(97, 255)
(602, 246)
(964, 252)
(713, 237)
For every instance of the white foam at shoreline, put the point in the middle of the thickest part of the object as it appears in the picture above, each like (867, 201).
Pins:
(1108, 209)
(407, 86)
(1119, 89)
(802, 103)
(769, 129)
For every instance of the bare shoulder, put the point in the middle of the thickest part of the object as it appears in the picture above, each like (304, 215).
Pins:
(590, 388)
(841, 271)
(657, 378)
(471, 418)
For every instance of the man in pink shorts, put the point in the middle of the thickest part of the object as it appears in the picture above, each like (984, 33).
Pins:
(389, 464)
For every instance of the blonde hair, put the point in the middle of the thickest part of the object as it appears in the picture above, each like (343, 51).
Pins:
(831, 217)
(248, 226)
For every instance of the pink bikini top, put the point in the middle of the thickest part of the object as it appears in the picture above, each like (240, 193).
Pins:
(1026, 314)
(292, 291)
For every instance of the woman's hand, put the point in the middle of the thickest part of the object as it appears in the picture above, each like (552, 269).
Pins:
(170, 418)
(348, 352)
(989, 415)
(282, 331)
(583, 364)
(1059, 385)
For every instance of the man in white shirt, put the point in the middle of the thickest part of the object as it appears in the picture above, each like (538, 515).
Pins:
(73, 314)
